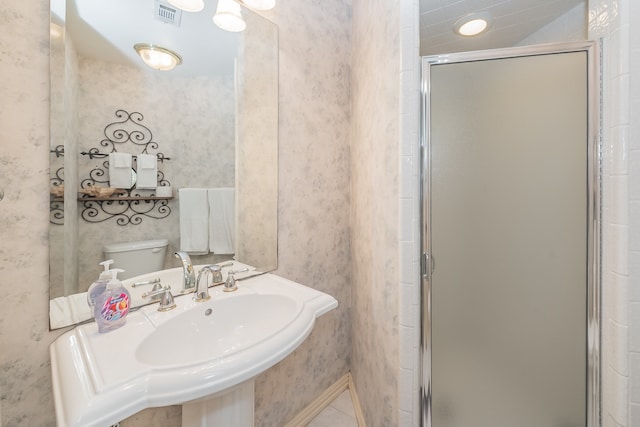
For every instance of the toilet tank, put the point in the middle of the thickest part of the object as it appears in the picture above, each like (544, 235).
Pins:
(137, 258)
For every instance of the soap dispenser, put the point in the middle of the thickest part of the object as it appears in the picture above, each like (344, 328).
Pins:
(112, 306)
(99, 286)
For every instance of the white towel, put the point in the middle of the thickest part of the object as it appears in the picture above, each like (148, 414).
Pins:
(222, 220)
(194, 220)
(147, 172)
(120, 170)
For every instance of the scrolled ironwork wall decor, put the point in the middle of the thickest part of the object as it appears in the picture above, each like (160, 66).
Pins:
(58, 151)
(129, 207)
(56, 203)
(129, 129)
(125, 210)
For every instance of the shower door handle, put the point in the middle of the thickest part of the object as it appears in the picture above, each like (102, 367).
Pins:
(428, 265)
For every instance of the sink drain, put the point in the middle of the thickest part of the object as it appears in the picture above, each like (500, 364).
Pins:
(208, 312)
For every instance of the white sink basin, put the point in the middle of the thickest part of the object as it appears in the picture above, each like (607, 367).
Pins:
(175, 357)
(230, 326)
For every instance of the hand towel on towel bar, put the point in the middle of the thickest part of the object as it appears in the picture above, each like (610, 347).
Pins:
(147, 172)
(222, 220)
(120, 170)
(194, 220)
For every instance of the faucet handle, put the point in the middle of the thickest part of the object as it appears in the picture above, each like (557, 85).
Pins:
(158, 296)
(166, 298)
(166, 301)
(217, 271)
(147, 282)
(230, 284)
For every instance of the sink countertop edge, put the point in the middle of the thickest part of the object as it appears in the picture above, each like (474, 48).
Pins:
(75, 392)
(79, 405)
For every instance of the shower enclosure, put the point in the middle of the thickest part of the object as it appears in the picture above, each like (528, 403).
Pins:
(510, 238)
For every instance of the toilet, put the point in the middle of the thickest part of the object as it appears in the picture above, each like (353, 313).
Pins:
(137, 258)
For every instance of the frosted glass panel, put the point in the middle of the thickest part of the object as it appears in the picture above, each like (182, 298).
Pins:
(508, 167)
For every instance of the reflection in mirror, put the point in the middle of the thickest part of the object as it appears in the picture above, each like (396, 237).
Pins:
(214, 117)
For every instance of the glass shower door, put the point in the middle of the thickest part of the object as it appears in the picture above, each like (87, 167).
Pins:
(508, 226)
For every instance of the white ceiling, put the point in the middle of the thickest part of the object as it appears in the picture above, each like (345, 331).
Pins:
(111, 28)
(107, 30)
(513, 21)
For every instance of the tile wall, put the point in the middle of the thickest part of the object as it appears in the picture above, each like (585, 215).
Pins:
(409, 309)
(634, 215)
(609, 19)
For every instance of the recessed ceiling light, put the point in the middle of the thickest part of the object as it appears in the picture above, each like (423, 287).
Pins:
(156, 57)
(472, 25)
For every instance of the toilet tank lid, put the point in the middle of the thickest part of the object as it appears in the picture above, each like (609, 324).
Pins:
(133, 246)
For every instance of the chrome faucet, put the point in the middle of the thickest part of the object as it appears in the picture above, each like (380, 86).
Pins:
(202, 289)
(189, 276)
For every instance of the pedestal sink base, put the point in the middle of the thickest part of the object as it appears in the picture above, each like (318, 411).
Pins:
(233, 407)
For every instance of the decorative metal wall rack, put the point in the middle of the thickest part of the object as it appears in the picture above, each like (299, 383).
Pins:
(128, 206)
(56, 201)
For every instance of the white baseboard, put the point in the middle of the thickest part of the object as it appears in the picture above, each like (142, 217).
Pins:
(305, 416)
(356, 403)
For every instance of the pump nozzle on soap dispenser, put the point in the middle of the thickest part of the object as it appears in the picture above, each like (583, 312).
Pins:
(99, 286)
(114, 282)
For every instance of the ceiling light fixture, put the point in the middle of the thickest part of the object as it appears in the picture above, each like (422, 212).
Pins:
(260, 4)
(229, 16)
(472, 25)
(158, 58)
(56, 30)
(188, 5)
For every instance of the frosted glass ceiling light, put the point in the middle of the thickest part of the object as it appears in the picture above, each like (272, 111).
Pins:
(158, 58)
(229, 16)
(472, 25)
(188, 5)
(260, 4)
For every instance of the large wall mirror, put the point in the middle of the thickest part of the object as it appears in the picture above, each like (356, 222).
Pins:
(212, 121)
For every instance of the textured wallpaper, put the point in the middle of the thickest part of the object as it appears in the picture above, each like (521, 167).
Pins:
(25, 379)
(374, 208)
(313, 208)
(256, 155)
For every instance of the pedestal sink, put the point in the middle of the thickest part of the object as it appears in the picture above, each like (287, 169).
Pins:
(201, 355)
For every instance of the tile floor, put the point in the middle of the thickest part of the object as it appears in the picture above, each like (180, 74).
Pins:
(339, 413)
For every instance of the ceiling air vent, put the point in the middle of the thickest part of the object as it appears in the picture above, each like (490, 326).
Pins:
(166, 13)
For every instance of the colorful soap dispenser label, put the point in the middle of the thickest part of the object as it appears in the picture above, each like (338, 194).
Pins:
(115, 307)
